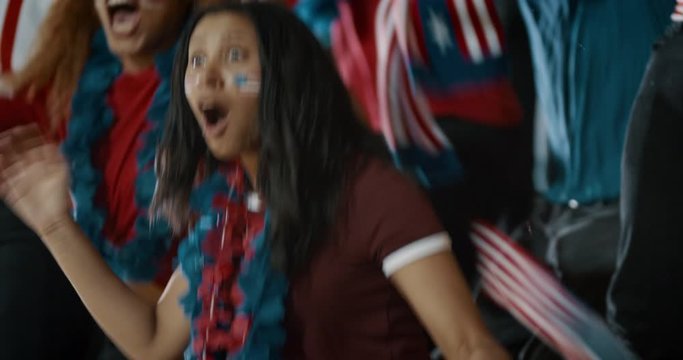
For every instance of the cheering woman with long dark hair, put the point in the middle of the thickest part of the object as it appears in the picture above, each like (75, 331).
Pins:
(315, 249)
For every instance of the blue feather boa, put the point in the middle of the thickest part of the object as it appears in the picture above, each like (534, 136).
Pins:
(91, 119)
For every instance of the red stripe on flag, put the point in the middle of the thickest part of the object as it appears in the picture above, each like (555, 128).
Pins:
(418, 25)
(545, 282)
(497, 24)
(521, 285)
(478, 28)
(533, 320)
(391, 86)
(421, 121)
(516, 272)
(9, 33)
(498, 296)
(535, 316)
(457, 29)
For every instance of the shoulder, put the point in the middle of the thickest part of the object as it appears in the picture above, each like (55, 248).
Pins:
(387, 210)
(376, 178)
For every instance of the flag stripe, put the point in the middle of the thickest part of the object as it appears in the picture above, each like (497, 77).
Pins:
(558, 332)
(554, 322)
(422, 130)
(383, 31)
(502, 260)
(418, 27)
(457, 26)
(9, 32)
(468, 31)
(489, 28)
(528, 270)
(488, 248)
(533, 271)
(401, 134)
(478, 27)
(534, 320)
(497, 23)
(677, 15)
(497, 295)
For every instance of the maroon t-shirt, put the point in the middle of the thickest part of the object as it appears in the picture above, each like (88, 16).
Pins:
(343, 306)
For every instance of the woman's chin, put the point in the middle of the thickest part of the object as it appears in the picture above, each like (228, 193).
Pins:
(223, 155)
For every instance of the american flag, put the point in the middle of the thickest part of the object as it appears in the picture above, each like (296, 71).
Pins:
(439, 57)
(509, 275)
(458, 55)
(406, 119)
(517, 282)
(19, 22)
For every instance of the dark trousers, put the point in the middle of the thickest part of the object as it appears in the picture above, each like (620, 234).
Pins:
(41, 317)
(579, 245)
(646, 294)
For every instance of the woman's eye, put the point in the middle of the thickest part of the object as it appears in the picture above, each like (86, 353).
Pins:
(197, 61)
(234, 55)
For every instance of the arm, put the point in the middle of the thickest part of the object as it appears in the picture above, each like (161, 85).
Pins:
(140, 329)
(436, 290)
(34, 184)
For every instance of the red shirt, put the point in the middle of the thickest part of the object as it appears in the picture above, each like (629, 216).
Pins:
(19, 111)
(116, 153)
(344, 306)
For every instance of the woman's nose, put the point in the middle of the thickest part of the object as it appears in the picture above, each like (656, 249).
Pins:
(212, 78)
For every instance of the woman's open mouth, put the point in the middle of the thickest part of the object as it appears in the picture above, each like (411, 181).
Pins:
(124, 16)
(215, 118)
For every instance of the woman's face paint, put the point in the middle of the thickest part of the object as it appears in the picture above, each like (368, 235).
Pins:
(191, 83)
(246, 84)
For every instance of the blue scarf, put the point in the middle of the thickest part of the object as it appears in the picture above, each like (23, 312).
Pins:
(91, 119)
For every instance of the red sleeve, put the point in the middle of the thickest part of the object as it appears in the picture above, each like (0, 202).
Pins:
(388, 211)
(19, 111)
(14, 112)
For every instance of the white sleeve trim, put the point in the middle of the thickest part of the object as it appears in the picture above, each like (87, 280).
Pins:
(415, 251)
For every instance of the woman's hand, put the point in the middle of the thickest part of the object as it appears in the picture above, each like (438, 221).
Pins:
(34, 178)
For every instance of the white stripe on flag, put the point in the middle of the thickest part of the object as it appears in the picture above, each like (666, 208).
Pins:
(533, 320)
(554, 322)
(503, 264)
(394, 102)
(493, 254)
(411, 122)
(469, 34)
(426, 113)
(383, 33)
(531, 270)
(4, 5)
(494, 43)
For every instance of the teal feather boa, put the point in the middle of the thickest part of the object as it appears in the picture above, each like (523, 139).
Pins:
(91, 119)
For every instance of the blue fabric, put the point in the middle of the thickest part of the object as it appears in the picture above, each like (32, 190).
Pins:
(318, 15)
(589, 57)
(91, 119)
(432, 171)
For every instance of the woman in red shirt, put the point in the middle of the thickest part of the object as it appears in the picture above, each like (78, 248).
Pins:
(104, 66)
(256, 99)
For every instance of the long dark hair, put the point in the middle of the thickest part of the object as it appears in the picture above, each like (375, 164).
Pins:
(310, 136)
